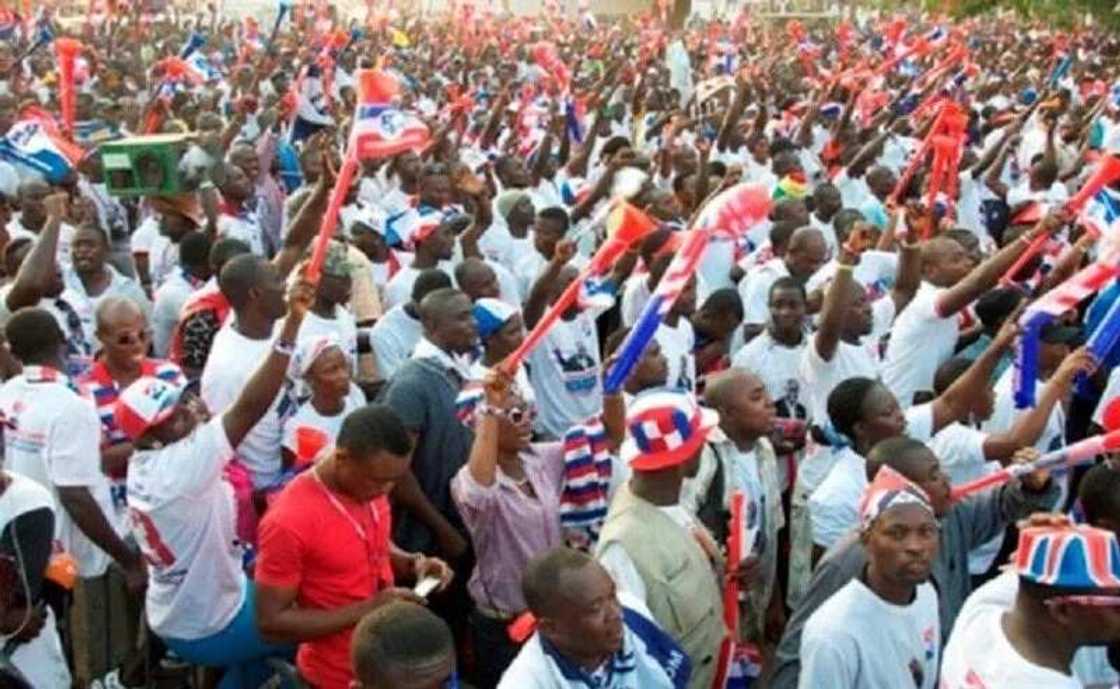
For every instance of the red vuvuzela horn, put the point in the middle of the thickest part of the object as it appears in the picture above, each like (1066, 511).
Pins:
(67, 49)
(1107, 172)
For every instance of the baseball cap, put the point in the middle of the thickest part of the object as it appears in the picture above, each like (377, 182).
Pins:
(665, 428)
(145, 404)
(491, 314)
(337, 261)
(1073, 556)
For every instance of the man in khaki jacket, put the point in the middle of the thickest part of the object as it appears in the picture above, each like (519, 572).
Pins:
(653, 548)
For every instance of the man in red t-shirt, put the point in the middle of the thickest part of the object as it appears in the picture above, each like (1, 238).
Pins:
(325, 558)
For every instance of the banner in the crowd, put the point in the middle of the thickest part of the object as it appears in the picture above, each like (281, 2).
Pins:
(35, 142)
(381, 129)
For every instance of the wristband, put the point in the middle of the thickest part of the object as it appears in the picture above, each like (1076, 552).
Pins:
(844, 267)
(284, 347)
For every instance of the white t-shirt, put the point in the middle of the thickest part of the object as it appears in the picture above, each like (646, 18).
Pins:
(247, 229)
(777, 366)
(635, 295)
(677, 345)
(876, 271)
(162, 255)
(86, 305)
(715, 267)
(169, 300)
(182, 514)
(1005, 415)
(53, 436)
(309, 417)
(853, 190)
(848, 361)
(393, 338)
(41, 660)
(857, 640)
(921, 340)
(754, 290)
(534, 668)
(834, 505)
(565, 373)
(232, 361)
(978, 653)
(399, 289)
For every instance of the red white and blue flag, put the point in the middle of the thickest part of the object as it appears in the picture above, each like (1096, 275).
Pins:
(35, 142)
(381, 129)
(677, 275)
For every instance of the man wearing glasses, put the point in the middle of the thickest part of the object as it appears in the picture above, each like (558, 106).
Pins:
(122, 330)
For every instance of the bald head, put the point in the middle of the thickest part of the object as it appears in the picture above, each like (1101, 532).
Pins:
(477, 279)
(907, 456)
(806, 253)
(720, 389)
(113, 311)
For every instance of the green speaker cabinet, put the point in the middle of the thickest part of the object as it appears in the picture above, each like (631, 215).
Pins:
(145, 165)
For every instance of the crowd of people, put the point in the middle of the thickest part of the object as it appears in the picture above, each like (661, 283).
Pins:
(236, 450)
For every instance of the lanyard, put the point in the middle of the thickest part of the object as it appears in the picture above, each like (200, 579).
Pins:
(358, 528)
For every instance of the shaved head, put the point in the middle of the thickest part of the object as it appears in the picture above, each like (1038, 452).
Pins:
(113, 310)
(806, 238)
(720, 388)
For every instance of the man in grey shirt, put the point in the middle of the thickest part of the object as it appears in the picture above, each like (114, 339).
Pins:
(964, 526)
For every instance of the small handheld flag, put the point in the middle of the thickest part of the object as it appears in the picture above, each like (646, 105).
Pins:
(630, 226)
(380, 128)
(676, 276)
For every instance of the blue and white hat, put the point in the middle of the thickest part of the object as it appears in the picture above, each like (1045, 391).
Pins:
(491, 315)
(665, 428)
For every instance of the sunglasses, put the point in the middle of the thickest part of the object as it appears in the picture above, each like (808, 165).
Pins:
(517, 415)
(138, 337)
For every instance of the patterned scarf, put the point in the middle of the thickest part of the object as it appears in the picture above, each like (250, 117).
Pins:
(587, 480)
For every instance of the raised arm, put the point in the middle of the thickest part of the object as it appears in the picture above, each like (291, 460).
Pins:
(1028, 427)
(39, 270)
(262, 388)
(835, 306)
(537, 301)
(984, 276)
(956, 403)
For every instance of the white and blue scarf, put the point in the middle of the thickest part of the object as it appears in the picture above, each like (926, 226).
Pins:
(648, 659)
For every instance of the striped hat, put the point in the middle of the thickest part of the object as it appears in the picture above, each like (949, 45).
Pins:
(1074, 557)
(145, 404)
(889, 489)
(665, 429)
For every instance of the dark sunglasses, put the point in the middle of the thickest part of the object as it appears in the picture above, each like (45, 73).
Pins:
(128, 339)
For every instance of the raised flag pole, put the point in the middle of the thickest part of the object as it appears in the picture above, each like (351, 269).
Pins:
(683, 266)
(1065, 458)
(395, 134)
(330, 220)
(634, 226)
(1107, 172)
